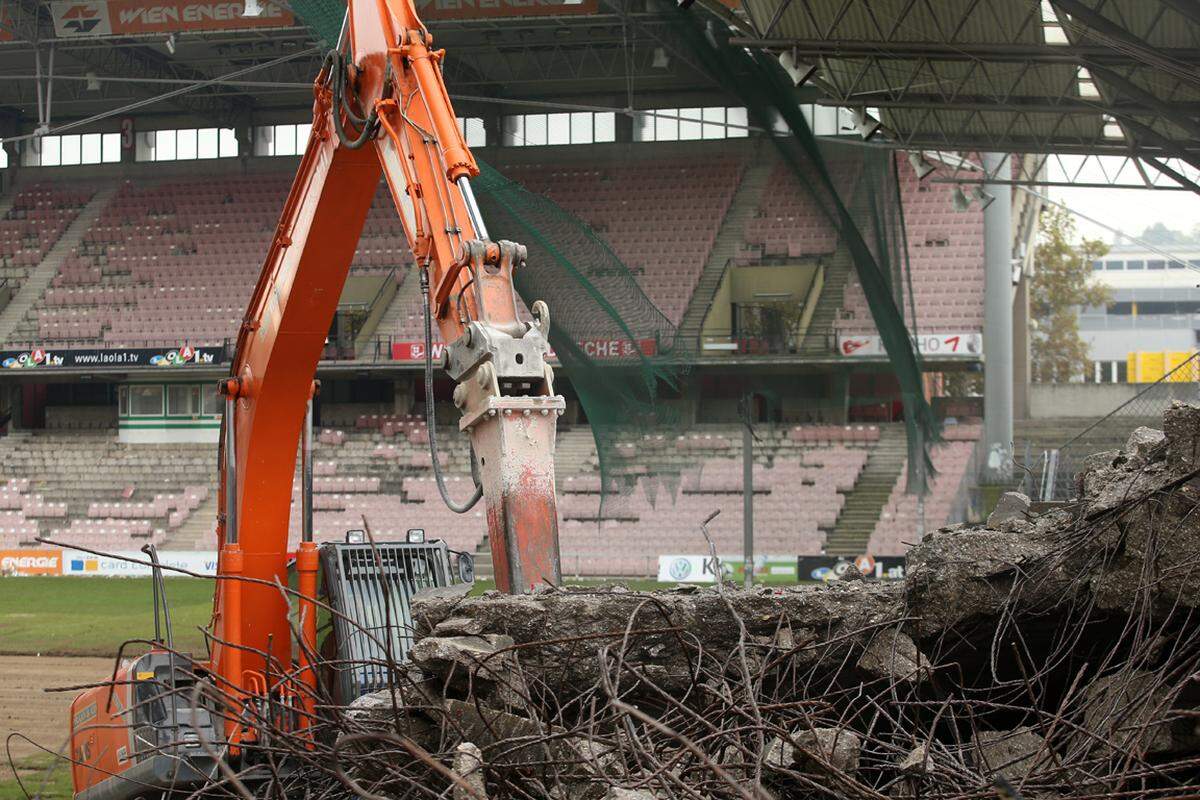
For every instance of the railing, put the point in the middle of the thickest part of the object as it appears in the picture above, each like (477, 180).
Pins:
(734, 343)
(1050, 474)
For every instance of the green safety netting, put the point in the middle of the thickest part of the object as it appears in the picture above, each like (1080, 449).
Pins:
(594, 296)
(855, 188)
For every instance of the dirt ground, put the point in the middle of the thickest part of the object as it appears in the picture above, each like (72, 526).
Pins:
(26, 708)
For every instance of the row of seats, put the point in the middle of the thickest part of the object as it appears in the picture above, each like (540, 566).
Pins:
(945, 259)
(176, 260)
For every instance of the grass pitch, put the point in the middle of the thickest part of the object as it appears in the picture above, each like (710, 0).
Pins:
(72, 616)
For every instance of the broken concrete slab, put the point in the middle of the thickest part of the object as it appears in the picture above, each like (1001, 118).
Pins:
(819, 749)
(1181, 428)
(894, 656)
(468, 767)
(1012, 754)
(1144, 445)
(481, 655)
(1010, 506)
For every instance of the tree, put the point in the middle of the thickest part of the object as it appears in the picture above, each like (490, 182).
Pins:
(1061, 285)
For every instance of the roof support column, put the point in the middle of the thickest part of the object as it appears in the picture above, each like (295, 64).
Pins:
(997, 325)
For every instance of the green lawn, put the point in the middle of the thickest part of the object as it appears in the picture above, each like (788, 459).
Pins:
(92, 616)
(44, 777)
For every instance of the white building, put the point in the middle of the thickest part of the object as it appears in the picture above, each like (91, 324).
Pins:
(1155, 306)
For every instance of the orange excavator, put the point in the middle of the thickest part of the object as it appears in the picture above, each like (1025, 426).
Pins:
(380, 107)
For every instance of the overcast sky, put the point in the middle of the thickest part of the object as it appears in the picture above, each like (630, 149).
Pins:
(1129, 210)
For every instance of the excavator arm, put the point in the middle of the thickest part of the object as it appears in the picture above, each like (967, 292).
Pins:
(380, 107)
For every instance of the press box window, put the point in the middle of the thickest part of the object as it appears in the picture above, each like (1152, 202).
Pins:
(183, 401)
(146, 401)
(214, 404)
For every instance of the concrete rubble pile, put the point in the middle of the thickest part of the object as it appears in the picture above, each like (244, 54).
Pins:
(1041, 656)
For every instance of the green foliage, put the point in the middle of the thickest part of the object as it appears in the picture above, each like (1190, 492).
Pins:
(1160, 234)
(1061, 285)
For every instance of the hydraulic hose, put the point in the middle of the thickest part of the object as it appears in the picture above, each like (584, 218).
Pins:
(431, 414)
(337, 69)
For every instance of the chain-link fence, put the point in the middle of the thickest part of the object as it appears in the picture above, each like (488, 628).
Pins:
(1050, 469)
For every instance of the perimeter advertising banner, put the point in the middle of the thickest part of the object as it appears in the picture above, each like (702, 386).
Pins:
(928, 344)
(121, 564)
(31, 562)
(700, 569)
(73, 19)
(50, 358)
(831, 568)
(492, 9)
(599, 349)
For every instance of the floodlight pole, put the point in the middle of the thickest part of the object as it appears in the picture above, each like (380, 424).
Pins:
(747, 499)
(998, 325)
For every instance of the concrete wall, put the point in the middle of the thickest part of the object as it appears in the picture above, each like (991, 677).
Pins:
(1084, 400)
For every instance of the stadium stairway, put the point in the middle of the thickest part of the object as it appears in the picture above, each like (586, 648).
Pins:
(6, 204)
(728, 243)
(574, 452)
(198, 532)
(818, 341)
(40, 276)
(406, 299)
(856, 523)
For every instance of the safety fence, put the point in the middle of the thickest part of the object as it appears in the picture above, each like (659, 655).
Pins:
(1050, 470)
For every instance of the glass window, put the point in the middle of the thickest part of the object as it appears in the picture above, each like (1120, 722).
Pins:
(229, 143)
(1114, 265)
(1135, 264)
(123, 401)
(50, 151)
(1097, 266)
(535, 129)
(1177, 264)
(581, 127)
(214, 404)
(285, 140)
(666, 127)
(473, 131)
(183, 400)
(184, 144)
(69, 153)
(206, 143)
(1156, 263)
(91, 149)
(605, 127)
(740, 118)
(164, 146)
(558, 129)
(111, 148)
(146, 400)
(513, 131)
(690, 127)
(145, 146)
(714, 122)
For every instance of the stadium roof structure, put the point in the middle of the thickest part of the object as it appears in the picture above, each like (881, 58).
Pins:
(1088, 77)
(598, 51)
(1083, 77)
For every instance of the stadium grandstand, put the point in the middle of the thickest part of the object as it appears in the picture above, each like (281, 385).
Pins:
(147, 157)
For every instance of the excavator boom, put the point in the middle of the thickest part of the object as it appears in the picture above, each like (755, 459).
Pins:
(380, 108)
